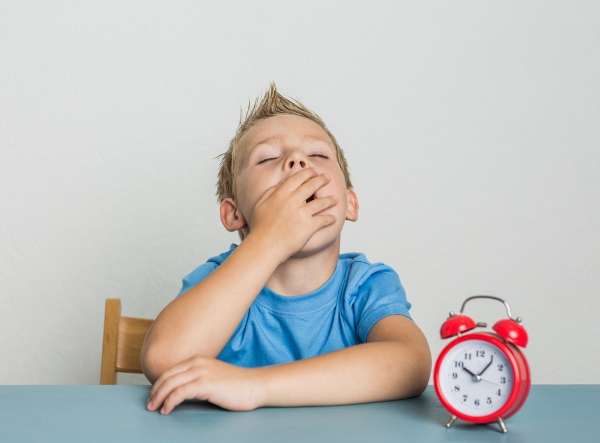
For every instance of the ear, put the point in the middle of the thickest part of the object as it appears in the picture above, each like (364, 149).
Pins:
(231, 217)
(352, 204)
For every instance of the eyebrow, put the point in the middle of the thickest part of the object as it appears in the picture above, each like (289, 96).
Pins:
(278, 138)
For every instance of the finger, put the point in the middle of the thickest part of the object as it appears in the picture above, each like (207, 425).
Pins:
(318, 204)
(311, 186)
(169, 385)
(190, 390)
(179, 367)
(323, 220)
(289, 185)
(293, 182)
(165, 376)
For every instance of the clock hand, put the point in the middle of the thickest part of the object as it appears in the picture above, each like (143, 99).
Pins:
(489, 381)
(468, 370)
(487, 366)
(474, 376)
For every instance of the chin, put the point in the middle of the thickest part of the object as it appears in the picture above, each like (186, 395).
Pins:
(322, 239)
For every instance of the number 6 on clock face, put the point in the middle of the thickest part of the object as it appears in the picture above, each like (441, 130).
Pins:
(476, 377)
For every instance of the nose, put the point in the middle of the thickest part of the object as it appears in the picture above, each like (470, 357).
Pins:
(297, 159)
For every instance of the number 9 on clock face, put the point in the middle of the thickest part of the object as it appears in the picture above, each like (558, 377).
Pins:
(476, 377)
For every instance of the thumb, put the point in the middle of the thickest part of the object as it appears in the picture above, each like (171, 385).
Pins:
(267, 193)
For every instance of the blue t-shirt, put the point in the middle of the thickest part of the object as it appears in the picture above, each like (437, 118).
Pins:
(339, 314)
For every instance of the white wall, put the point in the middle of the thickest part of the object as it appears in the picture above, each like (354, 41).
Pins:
(471, 131)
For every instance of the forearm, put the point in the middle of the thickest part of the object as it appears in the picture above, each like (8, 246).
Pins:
(201, 321)
(374, 371)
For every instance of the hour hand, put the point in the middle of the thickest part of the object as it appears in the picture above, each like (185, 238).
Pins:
(468, 370)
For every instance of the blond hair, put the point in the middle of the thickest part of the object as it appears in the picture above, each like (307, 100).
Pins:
(271, 104)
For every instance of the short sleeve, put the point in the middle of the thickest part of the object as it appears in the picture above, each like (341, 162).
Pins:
(381, 295)
(196, 276)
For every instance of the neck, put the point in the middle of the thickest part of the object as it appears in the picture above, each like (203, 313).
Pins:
(304, 272)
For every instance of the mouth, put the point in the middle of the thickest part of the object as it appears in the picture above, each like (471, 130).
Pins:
(311, 198)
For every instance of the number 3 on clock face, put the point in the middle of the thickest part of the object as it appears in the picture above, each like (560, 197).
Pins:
(476, 378)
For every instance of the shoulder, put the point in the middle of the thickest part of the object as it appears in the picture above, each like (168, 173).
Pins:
(374, 292)
(363, 275)
(201, 271)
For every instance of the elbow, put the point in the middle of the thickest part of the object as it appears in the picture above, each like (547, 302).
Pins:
(150, 367)
(148, 362)
(156, 359)
(421, 382)
(153, 360)
(424, 371)
(157, 356)
(421, 369)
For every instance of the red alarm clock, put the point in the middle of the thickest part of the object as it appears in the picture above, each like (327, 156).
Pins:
(482, 377)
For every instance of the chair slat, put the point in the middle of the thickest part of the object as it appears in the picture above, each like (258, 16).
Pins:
(122, 342)
(131, 338)
(112, 313)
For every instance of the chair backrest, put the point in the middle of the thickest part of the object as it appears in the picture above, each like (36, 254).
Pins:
(122, 342)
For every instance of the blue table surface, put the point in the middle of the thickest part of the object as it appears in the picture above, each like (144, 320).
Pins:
(109, 413)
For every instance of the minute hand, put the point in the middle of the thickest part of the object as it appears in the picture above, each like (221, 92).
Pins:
(487, 366)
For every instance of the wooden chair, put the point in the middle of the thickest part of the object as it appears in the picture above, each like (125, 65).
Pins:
(122, 342)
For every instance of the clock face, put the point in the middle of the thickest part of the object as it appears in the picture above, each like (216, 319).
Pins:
(485, 391)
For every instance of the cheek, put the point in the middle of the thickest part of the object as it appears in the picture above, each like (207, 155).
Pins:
(341, 206)
(255, 190)
(340, 194)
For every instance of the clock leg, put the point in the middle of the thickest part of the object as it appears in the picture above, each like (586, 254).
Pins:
(502, 425)
(452, 420)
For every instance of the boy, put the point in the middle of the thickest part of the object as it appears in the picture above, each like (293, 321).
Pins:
(284, 319)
